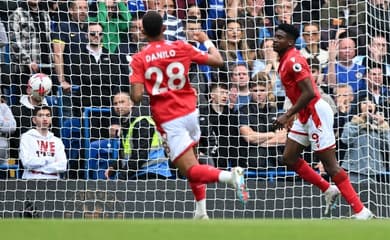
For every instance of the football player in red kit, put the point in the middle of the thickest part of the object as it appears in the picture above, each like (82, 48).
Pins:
(313, 125)
(161, 68)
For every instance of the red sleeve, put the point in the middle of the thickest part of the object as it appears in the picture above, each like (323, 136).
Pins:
(195, 54)
(298, 69)
(136, 70)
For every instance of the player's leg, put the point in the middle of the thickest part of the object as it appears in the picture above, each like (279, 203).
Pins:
(182, 135)
(323, 143)
(341, 179)
(291, 157)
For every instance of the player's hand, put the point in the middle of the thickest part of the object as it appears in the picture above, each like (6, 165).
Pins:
(200, 36)
(284, 121)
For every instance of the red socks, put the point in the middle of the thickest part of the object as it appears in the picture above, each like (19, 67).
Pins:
(342, 182)
(199, 190)
(308, 174)
(203, 174)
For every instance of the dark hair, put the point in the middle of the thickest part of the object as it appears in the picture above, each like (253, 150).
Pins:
(152, 23)
(219, 85)
(39, 108)
(94, 23)
(289, 29)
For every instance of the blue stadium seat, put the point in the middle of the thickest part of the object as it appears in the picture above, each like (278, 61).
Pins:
(71, 137)
(101, 152)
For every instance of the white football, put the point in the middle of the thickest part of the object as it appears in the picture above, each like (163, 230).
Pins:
(40, 84)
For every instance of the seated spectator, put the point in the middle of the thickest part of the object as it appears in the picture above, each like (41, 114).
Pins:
(7, 127)
(267, 61)
(251, 14)
(199, 75)
(367, 136)
(259, 142)
(174, 26)
(239, 80)
(341, 68)
(41, 153)
(312, 37)
(97, 72)
(377, 55)
(23, 113)
(218, 122)
(284, 10)
(376, 88)
(344, 98)
(141, 145)
(115, 19)
(233, 45)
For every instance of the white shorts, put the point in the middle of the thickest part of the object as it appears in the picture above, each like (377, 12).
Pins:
(320, 135)
(181, 134)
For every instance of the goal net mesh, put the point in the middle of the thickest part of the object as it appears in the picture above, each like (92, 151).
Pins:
(347, 47)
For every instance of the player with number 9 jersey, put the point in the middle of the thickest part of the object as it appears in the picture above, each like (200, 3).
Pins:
(163, 67)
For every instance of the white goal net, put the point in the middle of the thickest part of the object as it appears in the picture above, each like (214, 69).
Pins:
(84, 47)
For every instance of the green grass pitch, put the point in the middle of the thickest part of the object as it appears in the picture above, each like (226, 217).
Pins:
(197, 230)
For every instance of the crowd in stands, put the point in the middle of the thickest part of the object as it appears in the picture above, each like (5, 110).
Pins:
(85, 48)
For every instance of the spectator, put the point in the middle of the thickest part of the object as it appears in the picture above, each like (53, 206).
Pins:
(220, 123)
(96, 71)
(68, 40)
(174, 26)
(344, 98)
(312, 37)
(30, 49)
(376, 89)
(115, 19)
(233, 45)
(136, 40)
(200, 75)
(7, 127)
(341, 68)
(367, 136)
(260, 143)
(251, 14)
(141, 144)
(267, 62)
(284, 10)
(42, 153)
(377, 55)
(239, 79)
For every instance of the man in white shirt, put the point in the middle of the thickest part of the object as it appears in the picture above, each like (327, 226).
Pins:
(41, 153)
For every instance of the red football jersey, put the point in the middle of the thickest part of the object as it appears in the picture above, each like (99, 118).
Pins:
(163, 67)
(292, 69)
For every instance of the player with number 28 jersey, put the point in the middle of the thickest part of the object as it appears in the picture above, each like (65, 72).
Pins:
(163, 68)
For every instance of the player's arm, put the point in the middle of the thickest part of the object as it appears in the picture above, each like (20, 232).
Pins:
(136, 92)
(214, 57)
(307, 94)
(136, 80)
